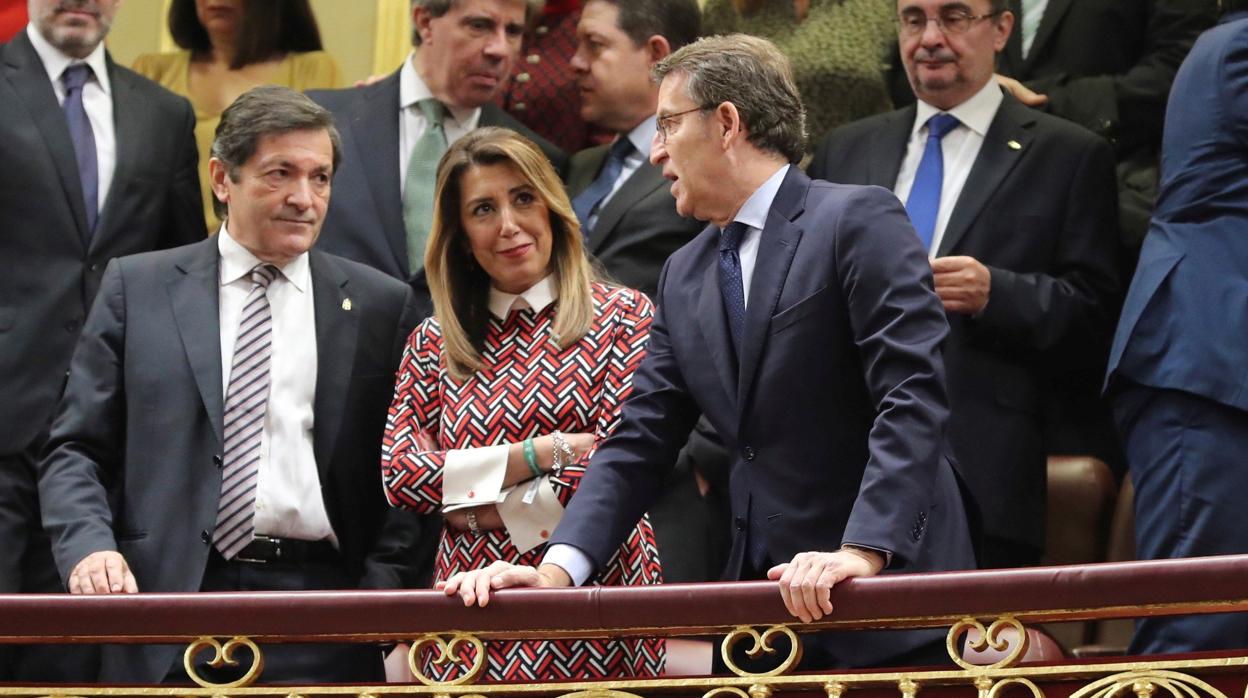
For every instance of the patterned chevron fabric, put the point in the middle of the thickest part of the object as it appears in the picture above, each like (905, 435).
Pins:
(528, 388)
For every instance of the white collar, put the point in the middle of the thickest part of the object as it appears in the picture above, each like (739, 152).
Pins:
(237, 261)
(754, 211)
(642, 135)
(412, 89)
(975, 113)
(537, 297)
(55, 62)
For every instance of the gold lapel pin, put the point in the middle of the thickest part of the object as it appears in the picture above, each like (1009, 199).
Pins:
(1015, 145)
(346, 303)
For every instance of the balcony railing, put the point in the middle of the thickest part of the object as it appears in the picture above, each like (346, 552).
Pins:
(992, 606)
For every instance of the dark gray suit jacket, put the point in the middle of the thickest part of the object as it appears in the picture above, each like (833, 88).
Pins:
(142, 416)
(1038, 210)
(365, 219)
(639, 228)
(49, 272)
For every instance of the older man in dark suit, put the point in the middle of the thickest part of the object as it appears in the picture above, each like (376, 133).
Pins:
(395, 130)
(98, 162)
(1016, 209)
(802, 323)
(233, 393)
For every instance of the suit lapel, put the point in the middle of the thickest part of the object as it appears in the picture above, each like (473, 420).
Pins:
(194, 290)
(1048, 26)
(776, 247)
(1005, 143)
(888, 148)
(714, 322)
(639, 185)
(584, 174)
(336, 332)
(375, 126)
(30, 80)
(130, 121)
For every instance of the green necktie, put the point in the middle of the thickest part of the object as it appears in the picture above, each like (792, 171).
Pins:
(418, 185)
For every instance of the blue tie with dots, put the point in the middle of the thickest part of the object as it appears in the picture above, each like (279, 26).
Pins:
(923, 205)
(730, 285)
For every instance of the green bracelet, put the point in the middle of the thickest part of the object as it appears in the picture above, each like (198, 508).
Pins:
(530, 457)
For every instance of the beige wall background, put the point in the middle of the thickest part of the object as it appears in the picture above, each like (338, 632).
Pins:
(365, 36)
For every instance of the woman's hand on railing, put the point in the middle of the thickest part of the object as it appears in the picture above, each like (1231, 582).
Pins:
(474, 586)
(103, 572)
(806, 582)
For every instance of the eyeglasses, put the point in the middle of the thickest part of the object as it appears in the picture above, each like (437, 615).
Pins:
(664, 124)
(951, 20)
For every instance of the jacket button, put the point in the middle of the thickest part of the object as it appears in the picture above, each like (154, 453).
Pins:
(748, 453)
(71, 326)
(217, 461)
(206, 536)
(739, 522)
(95, 267)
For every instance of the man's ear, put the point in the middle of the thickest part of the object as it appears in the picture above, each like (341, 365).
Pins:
(1001, 32)
(657, 48)
(217, 172)
(728, 121)
(420, 21)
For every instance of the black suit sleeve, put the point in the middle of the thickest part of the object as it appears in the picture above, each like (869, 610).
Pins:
(184, 214)
(84, 451)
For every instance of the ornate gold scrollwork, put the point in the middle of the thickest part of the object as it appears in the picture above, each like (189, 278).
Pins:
(836, 689)
(908, 687)
(604, 693)
(1036, 691)
(224, 655)
(1144, 683)
(447, 651)
(762, 645)
(991, 637)
(726, 691)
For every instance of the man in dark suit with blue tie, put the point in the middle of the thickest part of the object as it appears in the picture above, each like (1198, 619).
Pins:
(1178, 370)
(97, 162)
(803, 324)
(1016, 209)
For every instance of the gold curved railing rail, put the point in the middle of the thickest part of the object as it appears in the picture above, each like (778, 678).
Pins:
(993, 606)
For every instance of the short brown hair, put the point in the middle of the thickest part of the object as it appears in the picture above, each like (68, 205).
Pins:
(460, 287)
(266, 29)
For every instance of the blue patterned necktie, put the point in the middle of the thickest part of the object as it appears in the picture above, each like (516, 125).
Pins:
(246, 404)
(588, 200)
(923, 204)
(74, 77)
(730, 285)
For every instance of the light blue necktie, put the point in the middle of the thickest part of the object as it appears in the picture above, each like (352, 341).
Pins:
(418, 185)
(924, 202)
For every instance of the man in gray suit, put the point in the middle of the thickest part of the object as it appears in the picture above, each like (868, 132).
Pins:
(394, 131)
(222, 423)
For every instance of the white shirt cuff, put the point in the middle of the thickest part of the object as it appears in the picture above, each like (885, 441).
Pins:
(473, 477)
(530, 523)
(576, 563)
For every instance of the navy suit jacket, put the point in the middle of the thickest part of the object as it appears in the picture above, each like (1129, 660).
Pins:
(836, 414)
(1186, 315)
(135, 452)
(365, 218)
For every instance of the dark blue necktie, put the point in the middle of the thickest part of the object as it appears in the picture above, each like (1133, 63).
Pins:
(924, 202)
(74, 77)
(585, 202)
(730, 286)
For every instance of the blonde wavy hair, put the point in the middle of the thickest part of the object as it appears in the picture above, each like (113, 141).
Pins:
(461, 288)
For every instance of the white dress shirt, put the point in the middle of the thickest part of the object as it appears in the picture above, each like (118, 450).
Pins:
(642, 136)
(412, 123)
(97, 100)
(959, 147)
(288, 498)
(473, 477)
(753, 213)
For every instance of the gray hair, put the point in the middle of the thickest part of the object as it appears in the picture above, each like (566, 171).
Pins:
(437, 8)
(262, 111)
(755, 77)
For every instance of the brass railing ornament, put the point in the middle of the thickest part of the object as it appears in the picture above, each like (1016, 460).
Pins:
(726, 691)
(1001, 685)
(1144, 683)
(448, 651)
(989, 638)
(762, 645)
(599, 693)
(224, 656)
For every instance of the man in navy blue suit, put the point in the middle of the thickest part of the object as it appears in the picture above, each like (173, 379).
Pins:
(803, 324)
(1178, 370)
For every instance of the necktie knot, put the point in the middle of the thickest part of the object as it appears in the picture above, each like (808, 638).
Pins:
(730, 238)
(621, 149)
(433, 111)
(75, 76)
(940, 125)
(263, 274)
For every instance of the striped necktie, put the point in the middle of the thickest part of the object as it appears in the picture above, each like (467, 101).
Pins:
(246, 403)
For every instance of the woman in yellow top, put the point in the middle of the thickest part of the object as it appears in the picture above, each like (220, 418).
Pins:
(229, 47)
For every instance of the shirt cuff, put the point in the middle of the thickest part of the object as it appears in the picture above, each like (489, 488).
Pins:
(576, 563)
(473, 476)
(530, 523)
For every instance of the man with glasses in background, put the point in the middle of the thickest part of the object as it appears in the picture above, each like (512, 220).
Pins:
(1017, 211)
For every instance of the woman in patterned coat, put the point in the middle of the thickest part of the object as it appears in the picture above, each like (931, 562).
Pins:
(502, 396)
